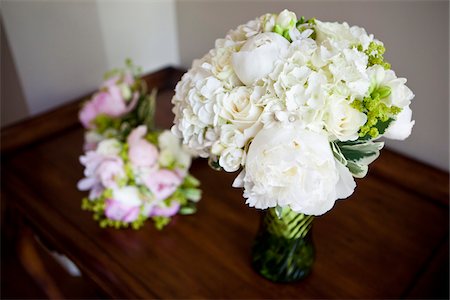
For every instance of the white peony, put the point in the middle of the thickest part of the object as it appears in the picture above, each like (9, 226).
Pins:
(401, 128)
(258, 55)
(343, 121)
(295, 168)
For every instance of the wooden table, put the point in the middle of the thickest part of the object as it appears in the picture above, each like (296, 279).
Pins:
(388, 240)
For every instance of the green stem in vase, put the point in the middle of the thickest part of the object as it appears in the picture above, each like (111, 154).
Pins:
(283, 250)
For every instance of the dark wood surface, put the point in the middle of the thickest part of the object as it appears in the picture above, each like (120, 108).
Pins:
(388, 240)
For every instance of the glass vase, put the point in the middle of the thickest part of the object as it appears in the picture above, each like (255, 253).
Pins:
(283, 250)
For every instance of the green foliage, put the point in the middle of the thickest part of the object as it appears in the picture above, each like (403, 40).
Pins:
(357, 155)
(160, 221)
(146, 110)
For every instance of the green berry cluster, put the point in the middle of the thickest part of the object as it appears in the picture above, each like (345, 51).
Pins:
(378, 113)
(375, 53)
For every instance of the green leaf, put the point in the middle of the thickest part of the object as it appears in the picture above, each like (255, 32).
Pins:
(192, 194)
(190, 181)
(357, 170)
(361, 153)
(279, 211)
(188, 210)
(358, 154)
(338, 153)
(146, 110)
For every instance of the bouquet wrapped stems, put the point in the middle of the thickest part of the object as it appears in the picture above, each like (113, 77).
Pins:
(283, 249)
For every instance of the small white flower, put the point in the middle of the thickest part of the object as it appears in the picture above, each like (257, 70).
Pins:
(128, 196)
(401, 95)
(231, 159)
(286, 19)
(268, 22)
(109, 147)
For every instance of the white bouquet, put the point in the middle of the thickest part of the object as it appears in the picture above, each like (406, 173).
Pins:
(296, 105)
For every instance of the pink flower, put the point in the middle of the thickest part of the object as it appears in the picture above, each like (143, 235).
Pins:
(101, 171)
(110, 171)
(141, 152)
(126, 78)
(120, 212)
(124, 204)
(162, 183)
(87, 114)
(109, 102)
(165, 211)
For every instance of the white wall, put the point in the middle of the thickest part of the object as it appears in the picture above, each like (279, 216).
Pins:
(62, 48)
(416, 35)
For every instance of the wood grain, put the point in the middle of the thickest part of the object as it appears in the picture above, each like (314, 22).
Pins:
(385, 241)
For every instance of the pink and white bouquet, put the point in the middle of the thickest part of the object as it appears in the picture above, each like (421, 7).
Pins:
(296, 105)
(132, 173)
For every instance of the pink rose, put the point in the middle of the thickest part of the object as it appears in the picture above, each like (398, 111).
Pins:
(120, 212)
(162, 183)
(165, 211)
(110, 171)
(100, 171)
(110, 103)
(141, 152)
(124, 205)
(87, 114)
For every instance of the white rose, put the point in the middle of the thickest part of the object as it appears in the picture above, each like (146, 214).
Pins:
(295, 168)
(231, 159)
(401, 128)
(240, 109)
(257, 57)
(109, 147)
(286, 19)
(342, 120)
(400, 95)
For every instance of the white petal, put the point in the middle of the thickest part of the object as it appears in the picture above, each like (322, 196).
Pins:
(346, 184)
(401, 128)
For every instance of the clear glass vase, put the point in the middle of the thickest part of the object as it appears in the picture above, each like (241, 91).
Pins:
(283, 249)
